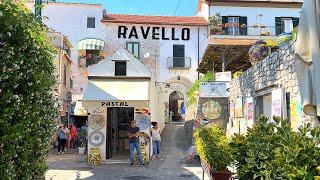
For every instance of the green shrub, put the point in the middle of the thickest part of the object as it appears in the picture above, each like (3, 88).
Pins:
(274, 151)
(213, 147)
(27, 107)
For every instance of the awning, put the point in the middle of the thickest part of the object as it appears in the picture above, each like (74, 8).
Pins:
(308, 57)
(112, 90)
(79, 110)
(91, 44)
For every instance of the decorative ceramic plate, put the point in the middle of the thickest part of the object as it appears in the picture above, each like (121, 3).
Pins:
(96, 138)
(96, 121)
(143, 121)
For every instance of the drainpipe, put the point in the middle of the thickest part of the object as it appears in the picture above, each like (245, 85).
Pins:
(198, 51)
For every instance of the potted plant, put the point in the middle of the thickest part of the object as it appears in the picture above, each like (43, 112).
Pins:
(214, 151)
(82, 141)
(258, 51)
(215, 24)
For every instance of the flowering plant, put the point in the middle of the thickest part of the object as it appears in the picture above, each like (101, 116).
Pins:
(258, 51)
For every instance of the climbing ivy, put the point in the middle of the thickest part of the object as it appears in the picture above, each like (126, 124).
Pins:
(194, 89)
(27, 106)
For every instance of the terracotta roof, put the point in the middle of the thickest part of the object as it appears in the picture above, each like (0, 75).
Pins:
(160, 20)
(71, 3)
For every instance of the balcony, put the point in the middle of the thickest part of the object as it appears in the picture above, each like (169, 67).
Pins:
(247, 32)
(179, 63)
(87, 61)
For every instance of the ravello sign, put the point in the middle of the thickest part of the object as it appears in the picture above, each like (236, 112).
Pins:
(156, 33)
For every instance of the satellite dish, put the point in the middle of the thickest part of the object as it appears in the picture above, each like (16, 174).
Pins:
(146, 55)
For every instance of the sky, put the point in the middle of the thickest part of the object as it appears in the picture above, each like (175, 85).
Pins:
(146, 7)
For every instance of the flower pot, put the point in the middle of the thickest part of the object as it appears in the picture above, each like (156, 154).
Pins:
(82, 150)
(258, 51)
(222, 175)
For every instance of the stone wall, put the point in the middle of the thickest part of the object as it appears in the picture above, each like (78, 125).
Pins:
(278, 70)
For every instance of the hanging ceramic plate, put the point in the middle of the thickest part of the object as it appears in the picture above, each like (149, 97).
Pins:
(143, 121)
(96, 121)
(96, 138)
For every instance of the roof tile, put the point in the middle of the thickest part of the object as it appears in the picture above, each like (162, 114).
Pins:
(160, 20)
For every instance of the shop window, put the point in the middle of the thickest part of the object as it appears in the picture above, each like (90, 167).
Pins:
(134, 48)
(64, 75)
(178, 56)
(91, 22)
(120, 68)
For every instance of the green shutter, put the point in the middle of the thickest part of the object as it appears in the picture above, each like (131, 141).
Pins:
(243, 20)
(295, 22)
(278, 26)
(224, 21)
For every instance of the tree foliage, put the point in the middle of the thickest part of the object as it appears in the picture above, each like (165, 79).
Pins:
(27, 106)
(194, 89)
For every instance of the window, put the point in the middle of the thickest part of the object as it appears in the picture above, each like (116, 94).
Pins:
(235, 23)
(91, 22)
(285, 24)
(134, 48)
(71, 83)
(92, 57)
(65, 75)
(178, 56)
(120, 68)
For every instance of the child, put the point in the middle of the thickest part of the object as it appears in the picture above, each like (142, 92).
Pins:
(156, 138)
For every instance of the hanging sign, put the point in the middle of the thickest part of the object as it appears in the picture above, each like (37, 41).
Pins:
(214, 89)
(223, 76)
(277, 102)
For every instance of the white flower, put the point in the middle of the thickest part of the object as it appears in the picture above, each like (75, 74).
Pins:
(1, 14)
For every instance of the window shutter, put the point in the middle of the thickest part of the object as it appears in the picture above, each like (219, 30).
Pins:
(178, 56)
(224, 21)
(120, 68)
(278, 26)
(243, 20)
(295, 22)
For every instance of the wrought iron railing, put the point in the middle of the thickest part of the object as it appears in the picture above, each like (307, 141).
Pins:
(256, 30)
(179, 62)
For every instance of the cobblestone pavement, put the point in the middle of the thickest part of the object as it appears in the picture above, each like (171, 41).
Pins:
(173, 166)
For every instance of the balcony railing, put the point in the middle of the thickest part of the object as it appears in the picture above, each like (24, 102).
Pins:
(179, 62)
(248, 31)
(87, 61)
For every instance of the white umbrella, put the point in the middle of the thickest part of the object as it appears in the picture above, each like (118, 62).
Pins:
(308, 57)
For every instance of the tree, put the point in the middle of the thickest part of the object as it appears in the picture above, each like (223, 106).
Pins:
(27, 106)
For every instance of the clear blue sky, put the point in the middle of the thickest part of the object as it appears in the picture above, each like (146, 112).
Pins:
(146, 7)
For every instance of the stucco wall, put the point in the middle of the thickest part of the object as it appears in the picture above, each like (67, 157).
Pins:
(276, 71)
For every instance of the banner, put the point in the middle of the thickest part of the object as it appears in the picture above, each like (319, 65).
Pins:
(214, 89)
(277, 102)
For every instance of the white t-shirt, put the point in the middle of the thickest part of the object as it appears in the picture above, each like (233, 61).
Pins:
(155, 134)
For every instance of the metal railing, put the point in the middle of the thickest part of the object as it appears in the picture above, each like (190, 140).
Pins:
(248, 31)
(179, 62)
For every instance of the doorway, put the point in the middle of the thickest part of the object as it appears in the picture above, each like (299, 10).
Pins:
(118, 122)
(176, 106)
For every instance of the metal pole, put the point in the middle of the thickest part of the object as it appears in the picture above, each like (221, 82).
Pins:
(37, 9)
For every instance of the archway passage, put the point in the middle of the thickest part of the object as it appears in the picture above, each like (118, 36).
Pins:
(176, 106)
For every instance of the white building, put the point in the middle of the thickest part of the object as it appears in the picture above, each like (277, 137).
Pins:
(170, 47)
(242, 23)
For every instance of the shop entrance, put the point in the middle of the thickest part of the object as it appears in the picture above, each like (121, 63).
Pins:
(118, 122)
(176, 106)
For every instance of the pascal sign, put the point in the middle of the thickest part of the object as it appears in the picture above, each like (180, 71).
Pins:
(156, 33)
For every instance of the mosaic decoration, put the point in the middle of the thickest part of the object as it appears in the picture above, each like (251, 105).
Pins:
(211, 109)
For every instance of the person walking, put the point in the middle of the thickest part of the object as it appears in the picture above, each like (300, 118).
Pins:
(62, 139)
(73, 135)
(134, 142)
(156, 139)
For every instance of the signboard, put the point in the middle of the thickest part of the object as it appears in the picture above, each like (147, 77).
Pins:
(277, 102)
(238, 107)
(114, 104)
(223, 76)
(214, 89)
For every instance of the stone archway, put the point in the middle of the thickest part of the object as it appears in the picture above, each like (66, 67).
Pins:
(176, 104)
